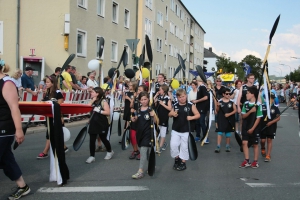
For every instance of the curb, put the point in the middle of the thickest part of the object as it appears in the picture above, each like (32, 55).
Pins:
(39, 129)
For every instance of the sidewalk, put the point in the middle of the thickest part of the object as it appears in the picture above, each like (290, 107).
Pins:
(39, 129)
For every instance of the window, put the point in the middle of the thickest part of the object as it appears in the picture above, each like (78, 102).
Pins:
(115, 11)
(1, 37)
(166, 13)
(148, 28)
(81, 43)
(188, 22)
(170, 72)
(170, 50)
(160, 18)
(157, 69)
(114, 51)
(149, 4)
(97, 56)
(100, 7)
(172, 5)
(82, 3)
(127, 18)
(172, 28)
(166, 36)
(159, 45)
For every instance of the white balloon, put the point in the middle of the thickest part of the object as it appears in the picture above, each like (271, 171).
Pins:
(93, 64)
(67, 134)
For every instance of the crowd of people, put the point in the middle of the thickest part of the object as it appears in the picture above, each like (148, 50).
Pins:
(241, 110)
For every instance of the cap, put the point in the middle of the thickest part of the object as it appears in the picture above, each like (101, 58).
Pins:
(73, 68)
(28, 68)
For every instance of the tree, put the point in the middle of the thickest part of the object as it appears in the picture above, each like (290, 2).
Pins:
(229, 66)
(255, 64)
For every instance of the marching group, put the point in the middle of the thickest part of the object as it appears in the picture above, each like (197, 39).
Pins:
(241, 110)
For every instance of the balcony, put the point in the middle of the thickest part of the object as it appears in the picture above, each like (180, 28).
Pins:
(191, 48)
(192, 33)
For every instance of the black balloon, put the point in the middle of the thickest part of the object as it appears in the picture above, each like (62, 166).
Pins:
(129, 73)
(112, 71)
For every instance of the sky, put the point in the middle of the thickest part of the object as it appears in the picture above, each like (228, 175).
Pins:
(242, 27)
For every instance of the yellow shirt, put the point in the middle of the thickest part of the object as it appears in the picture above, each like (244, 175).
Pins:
(68, 79)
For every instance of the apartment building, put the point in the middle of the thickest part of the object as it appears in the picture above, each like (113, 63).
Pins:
(44, 33)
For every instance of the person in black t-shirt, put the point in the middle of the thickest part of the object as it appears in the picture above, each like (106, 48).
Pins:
(202, 105)
(163, 107)
(182, 112)
(269, 132)
(227, 113)
(143, 135)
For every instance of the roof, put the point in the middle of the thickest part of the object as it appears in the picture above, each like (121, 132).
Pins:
(191, 15)
(209, 54)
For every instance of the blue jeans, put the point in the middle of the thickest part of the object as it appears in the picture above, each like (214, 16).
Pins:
(200, 124)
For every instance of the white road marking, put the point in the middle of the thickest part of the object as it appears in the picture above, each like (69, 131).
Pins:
(92, 189)
(261, 184)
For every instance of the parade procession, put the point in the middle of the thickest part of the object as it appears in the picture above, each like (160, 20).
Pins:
(136, 115)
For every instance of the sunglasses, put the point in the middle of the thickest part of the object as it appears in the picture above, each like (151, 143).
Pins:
(227, 93)
(218, 81)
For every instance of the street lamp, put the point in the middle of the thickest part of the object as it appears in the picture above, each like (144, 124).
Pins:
(290, 69)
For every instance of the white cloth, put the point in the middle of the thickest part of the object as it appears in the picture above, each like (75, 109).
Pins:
(179, 145)
(192, 95)
(236, 94)
(92, 83)
(18, 82)
(162, 131)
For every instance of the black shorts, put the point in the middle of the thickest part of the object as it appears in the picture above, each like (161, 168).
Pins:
(267, 134)
(251, 138)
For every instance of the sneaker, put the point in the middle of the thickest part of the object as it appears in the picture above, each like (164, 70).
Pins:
(109, 155)
(158, 151)
(206, 141)
(217, 150)
(217, 130)
(134, 154)
(177, 160)
(228, 149)
(254, 164)
(42, 156)
(138, 157)
(263, 153)
(245, 164)
(164, 147)
(197, 139)
(268, 158)
(66, 149)
(181, 166)
(138, 175)
(19, 193)
(90, 160)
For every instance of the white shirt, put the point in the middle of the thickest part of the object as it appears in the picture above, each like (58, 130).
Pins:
(192, 95)
(236, 94)
(91, 83)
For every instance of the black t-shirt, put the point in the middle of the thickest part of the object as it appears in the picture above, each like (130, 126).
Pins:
(219, 92)
(99, 123)
(223, 124)
(203, 106)
(180, 123)
(162, 112)
(244, 90)
(57, 96)
(143, 129)
(274, 111)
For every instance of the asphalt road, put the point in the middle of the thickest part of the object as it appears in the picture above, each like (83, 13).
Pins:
(211, 176)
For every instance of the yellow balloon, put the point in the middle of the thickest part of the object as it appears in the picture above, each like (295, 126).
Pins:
(145, 73)
(175, 84)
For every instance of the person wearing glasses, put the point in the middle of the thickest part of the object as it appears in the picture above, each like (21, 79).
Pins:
(227, 114)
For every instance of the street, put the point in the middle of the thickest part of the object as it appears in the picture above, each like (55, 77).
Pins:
(211, 176)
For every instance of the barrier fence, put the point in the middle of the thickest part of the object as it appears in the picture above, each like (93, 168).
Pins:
(78, 97)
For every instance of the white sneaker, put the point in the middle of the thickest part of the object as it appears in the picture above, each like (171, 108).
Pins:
(90, 160)
(109, 155)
